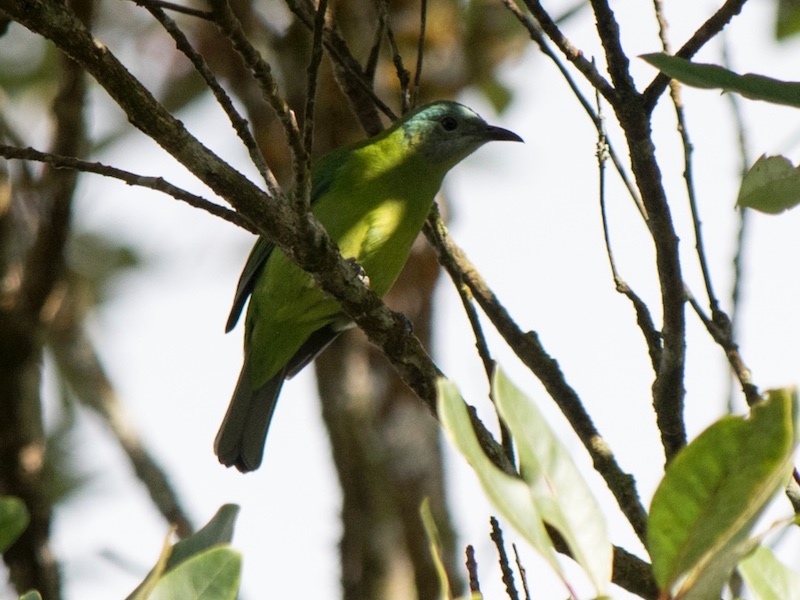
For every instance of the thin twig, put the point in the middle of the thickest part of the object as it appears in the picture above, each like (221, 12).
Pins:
(180, 8)
(719, 328)
(472, 570)
(375, 50)
(572, 54)
(668, 387)
(154, 183)
(743, 145)
(505, 567)
(301, 192)
(348, 72)
(238, 122)
(229, 25)
(403, 75)
(688, 150)
(423, 18)
(467, 300)
(537, 35)
(522, 572)
(643, 318)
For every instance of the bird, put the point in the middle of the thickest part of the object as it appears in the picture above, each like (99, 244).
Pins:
(372, 197)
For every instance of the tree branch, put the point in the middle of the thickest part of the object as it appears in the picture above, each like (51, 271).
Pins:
(300, 236)
(154, 183)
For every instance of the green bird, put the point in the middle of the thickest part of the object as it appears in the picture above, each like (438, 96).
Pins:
(372, 198)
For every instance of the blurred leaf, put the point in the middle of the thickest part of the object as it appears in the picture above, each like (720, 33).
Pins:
(559, 490)
(28, 65)
(14, 518)
(210, 575)
(97, 260)
(713, 492)
(31, 595)
(772, 185)
(767, 578)
(492, 36)
(219, 530)
(498, 95)
(787, 19)
(435, 543)
(61, 473)
(510, 496)
(701, 75)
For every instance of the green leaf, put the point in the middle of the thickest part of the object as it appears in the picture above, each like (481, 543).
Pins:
(217, 533)
(767, 578)
(701, 75)
(31, 595)
(143, 590)
(787, 20)
(559, 491)
(14, 518)
(772, 185)
(713, 492)
(219, 530)
(510, 496)
(435, 544)
(210, 575)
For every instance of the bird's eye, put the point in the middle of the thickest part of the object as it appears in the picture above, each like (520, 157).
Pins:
(449, 123)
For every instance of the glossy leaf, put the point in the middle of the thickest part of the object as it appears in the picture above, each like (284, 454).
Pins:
(435, 544)
(510, 495)
(210, 575)
(559, 490)
(712, 493)
(702, 75)
(14, 518)
(767, 578)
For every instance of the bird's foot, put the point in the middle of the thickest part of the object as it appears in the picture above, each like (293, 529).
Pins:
(358, 271)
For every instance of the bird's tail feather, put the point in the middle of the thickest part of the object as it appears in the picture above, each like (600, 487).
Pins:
(243, 433)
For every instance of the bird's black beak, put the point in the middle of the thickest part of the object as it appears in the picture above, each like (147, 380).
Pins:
(498, 134)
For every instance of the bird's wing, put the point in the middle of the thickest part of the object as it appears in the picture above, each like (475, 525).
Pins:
(314, 346)
(247, 280)
(322, 178)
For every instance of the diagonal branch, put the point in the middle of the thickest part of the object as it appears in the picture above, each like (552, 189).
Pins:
(573, 54)
(299, 236)
(239, 124)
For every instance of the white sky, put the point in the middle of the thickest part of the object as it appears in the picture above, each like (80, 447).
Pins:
(528, 217)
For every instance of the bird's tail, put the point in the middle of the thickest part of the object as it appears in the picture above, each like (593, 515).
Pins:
(243, 433)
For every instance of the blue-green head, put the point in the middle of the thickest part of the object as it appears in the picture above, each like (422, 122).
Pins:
(446, 132)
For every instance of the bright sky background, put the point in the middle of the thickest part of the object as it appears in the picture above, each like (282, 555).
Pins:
(528, 216)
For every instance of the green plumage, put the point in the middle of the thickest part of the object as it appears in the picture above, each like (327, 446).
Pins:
(372, 198)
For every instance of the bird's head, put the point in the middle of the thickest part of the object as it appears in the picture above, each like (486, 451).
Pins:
(447, 132)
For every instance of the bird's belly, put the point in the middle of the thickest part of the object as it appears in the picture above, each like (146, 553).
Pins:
(381, 242)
